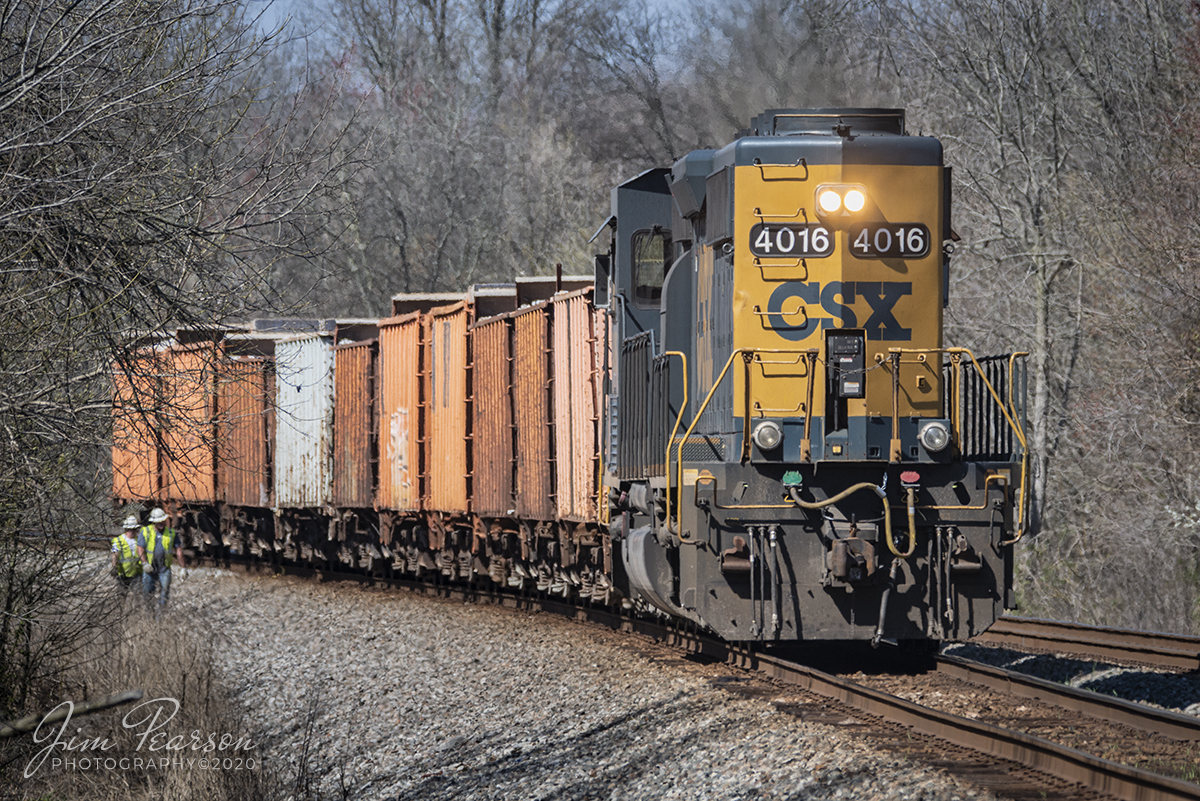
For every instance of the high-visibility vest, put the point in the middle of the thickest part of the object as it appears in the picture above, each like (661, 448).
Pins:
(127, 560)
(150, 535)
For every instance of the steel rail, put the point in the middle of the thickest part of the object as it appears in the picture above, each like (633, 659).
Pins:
(1090, 771)
(1105, 707)
(1175, 651)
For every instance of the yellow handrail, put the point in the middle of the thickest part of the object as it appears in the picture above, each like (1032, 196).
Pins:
(956, 354)
(688, 433)
(1017, 429)
(1009, 411)
(700, 412)
(957, 423)
(1024, 497)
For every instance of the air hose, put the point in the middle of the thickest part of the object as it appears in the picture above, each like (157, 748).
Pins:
(794, 495)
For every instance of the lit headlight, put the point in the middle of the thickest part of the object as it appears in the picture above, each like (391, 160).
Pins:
(768, 435)
(840, 200)
(935, 436)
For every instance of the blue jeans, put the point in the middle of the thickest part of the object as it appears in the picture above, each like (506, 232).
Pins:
(162, 578)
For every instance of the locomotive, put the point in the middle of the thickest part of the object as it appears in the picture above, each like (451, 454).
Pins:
(819, 465)
(747, 418)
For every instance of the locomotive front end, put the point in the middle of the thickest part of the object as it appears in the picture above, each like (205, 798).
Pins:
(830, 468)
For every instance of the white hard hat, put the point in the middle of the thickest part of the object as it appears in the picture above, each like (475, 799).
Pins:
(158, 516)
(131, 522)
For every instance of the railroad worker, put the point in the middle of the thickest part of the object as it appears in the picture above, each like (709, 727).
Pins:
(125, 563)
(154, 545)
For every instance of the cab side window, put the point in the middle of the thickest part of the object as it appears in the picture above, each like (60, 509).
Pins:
(651, 254)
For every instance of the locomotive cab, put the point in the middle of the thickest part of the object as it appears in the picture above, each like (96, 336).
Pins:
(800, 454)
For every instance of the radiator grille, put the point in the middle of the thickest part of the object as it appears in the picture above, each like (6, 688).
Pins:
(986, 435)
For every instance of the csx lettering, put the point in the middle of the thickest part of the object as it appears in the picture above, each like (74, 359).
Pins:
(837, 298)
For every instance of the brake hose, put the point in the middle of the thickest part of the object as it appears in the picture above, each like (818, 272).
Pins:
(794, 495)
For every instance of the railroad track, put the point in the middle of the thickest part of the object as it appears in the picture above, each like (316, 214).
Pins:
(1151, 649)
(1151, 720)
(1010, 762)
(1013, 753)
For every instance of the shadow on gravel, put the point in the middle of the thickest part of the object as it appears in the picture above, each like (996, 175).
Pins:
(637, 755)
(840, 658)
(1147, 687)
(486, 767)
(1169, 690)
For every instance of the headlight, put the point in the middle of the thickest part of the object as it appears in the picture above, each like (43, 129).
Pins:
(935, 436)
(840, 200)
(768, 435)
(830, 201)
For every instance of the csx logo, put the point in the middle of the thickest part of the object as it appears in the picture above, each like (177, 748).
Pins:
(787, 316)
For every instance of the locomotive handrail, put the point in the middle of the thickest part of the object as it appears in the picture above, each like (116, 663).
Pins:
(759, 213)
(894, 357)
(806, 445)
(744, 353)
(800, 309)
(782, 410)
(991, 478)
(674, 431)
(686, 434)
(797, 360)
(1004, 407)
(762, 168)
(1013, 419)
(794, 261)
(1023, 501)
(794, 264)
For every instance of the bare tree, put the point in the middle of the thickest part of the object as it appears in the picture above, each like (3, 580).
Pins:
(475, 176)
(1051, 110)
(754, 55)
(146, 180)
(1001, 84)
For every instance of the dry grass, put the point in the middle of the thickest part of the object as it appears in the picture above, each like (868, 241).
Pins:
(170, 658)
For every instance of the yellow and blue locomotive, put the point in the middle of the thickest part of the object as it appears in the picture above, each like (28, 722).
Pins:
(790, 448)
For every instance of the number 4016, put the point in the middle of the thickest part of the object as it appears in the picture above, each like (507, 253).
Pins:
(889, 240)
(786, 239)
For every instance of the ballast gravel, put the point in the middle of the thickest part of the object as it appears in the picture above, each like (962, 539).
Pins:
(370, 694)
(1164, 689)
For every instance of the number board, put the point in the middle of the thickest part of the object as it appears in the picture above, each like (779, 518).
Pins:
(790, 239)
(889, 240)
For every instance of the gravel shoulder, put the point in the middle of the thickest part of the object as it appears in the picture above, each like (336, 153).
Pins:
(373, 694)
